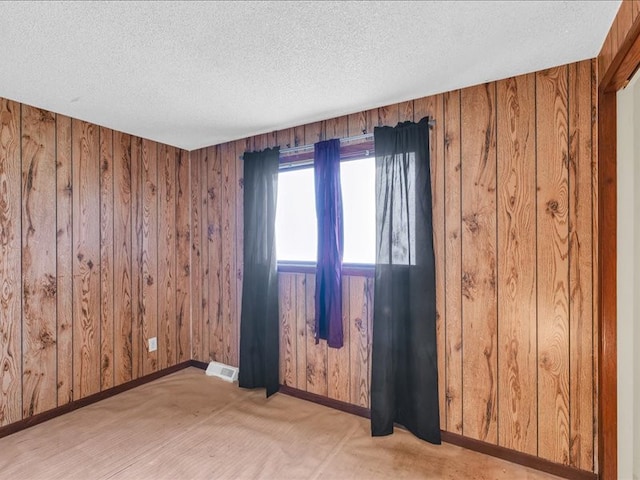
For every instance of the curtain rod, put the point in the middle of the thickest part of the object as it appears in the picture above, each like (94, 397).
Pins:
(310, 146)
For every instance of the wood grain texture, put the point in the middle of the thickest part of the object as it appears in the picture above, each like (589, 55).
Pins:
(149, 253)
(183, 257)
(516, 176)
(122, 264)
(360, 309)
(214, 239)
(452, 370)
(338, 359)
(137, 194)
(241, 147)
(580, 268)
(106, 259)
(167, 331)
(300, 331)
(594, 255)
(607, 277)
(487, 176)
(405, 112)
(553, 265)
(624, 20)
(621, 36)
(287, 298)
(38, 262)
(316, 362)
(204, 252)
(64, 261)
(478, 137)
(389, 115)
(86, 264)
(196, 257)
(229, 246)
(433, 107)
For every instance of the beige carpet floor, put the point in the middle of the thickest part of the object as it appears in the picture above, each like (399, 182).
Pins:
(190, 426)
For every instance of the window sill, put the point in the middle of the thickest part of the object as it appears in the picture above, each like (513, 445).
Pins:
(348, 269)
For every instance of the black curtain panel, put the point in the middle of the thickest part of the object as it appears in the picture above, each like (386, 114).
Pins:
(404, 378)
(328, 296)
(259, 338)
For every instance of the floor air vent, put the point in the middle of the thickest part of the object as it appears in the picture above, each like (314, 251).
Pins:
(220, 370)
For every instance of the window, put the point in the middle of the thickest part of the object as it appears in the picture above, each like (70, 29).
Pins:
(296, 226)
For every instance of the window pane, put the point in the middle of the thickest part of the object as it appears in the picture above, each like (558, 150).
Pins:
(358, 178)
(296, 230)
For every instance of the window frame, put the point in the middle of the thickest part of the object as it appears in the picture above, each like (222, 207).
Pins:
(296, 160)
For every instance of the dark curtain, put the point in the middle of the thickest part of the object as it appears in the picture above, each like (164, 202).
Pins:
(328, 296)
(259, 339)
(404, 378)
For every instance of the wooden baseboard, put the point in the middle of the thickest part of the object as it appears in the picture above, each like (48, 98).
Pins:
(199, 364)
(503, 453)
(327, 402)
(83, 402)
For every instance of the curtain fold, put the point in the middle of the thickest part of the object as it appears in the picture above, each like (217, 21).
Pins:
(328, 295)
(404, 378)
(259, 321)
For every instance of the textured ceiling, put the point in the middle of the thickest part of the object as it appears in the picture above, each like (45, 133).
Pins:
(193, 74)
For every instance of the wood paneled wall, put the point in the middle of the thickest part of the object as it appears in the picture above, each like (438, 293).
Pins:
(94, 259)
(514, 195)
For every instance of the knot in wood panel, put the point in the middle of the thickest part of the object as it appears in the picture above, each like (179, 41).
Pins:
(468, 285)
(49, 285)
(472, 223)
(553, 208)
(46, 339)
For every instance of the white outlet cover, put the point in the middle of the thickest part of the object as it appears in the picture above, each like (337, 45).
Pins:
(153, 344)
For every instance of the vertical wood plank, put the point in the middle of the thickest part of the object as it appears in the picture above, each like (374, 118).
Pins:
(369, 299)
(149, 252)
(285, 138)
(389, 115)
(86, 265)
(316, 361)
(229, 245)
(361, 123)
(359, 339)
(552, 265)
(595, 238)
(214, 237)
(241, 147)
(137, 339)
(314, 132)
(478, 138)
(336, 127)
(433, 107)
(203, 354)
(122, 259)
(197, 260)
(288, 365)
(106, 259)
(405, 111)
(580, 268)
(38, 261)
(183, 258)
(301, 327)
(167, 331)
(64, 260)
(10, 264)
(516, 276)
(453, 267)
(338, 359)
